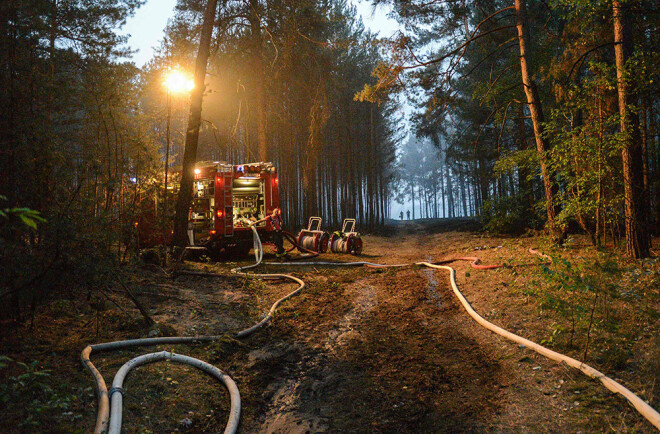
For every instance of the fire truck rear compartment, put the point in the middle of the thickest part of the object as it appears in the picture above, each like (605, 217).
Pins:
(248, 200)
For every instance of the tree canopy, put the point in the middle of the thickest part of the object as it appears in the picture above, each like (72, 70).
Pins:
(492, 77)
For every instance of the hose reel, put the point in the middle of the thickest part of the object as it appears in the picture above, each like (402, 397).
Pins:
(347, 240)
(313, 238)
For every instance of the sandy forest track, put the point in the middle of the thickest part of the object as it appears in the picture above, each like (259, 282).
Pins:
(394, 352)
(360, 350)
(416, 362)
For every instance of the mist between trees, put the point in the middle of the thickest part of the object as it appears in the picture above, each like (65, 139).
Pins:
(544, 113)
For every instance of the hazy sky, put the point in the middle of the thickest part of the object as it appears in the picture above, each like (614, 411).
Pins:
(146, 27)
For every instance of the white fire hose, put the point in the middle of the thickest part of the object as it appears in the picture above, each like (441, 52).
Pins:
(640, 405)
(117, 383)
(112, 412)
(109, 414)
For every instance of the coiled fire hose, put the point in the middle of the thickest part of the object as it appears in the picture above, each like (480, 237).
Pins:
(339, 245)
(109, 414)
(104, 408)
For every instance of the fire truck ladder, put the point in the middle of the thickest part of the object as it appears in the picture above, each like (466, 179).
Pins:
(227, 204)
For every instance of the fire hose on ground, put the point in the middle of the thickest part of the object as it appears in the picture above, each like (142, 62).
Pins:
(117, 383)
(109, 413)
(640, 405)
(296, 245)
(112, 411)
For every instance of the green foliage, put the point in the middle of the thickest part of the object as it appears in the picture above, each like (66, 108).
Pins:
(587, 300)
(586, 152)
(74, 155)
(460, 64)
(511, 161)
(569, 285)
(509, 215)
(30, 392)
(28, 216)
(388, 83)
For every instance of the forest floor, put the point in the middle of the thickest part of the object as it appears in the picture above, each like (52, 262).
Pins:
(361, 350)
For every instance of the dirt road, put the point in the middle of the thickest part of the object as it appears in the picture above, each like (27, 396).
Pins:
(392, 351)
(360, 350)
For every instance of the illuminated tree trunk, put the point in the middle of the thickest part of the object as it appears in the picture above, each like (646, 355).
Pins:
(194, 122)
(536, 113)
(635, 206)
(524, 186)
(258, 77)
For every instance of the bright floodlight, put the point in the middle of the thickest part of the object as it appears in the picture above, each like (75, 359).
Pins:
(178, 82)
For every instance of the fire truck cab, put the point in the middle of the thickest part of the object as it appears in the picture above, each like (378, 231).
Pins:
(225, 200)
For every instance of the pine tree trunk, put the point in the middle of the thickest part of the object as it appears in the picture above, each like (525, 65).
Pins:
(463, 197)
(635, 207)
(644, 129)
(655, 149)
(524, 188)
(180, 237)
(419, 197)
(442, 190)
(536, 113)
(450, 196)
(435, 197)
(412, 195)
(371, 173)
(258, 77)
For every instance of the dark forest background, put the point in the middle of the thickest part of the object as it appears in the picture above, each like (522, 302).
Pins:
(83, 131)
(566, 139)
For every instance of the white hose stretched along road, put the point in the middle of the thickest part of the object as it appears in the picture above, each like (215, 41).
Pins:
(640, 405)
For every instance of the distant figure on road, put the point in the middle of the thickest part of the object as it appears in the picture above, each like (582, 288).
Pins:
(408, 213)
(401, 215)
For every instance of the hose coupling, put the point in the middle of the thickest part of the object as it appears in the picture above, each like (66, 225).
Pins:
(116, 389)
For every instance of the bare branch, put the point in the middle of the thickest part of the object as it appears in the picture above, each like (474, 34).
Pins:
(459, 48)
(583, 56)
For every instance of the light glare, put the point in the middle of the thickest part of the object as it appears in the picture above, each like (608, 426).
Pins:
(177, 82)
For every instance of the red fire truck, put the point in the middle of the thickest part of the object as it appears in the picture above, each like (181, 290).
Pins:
(226, 198)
